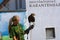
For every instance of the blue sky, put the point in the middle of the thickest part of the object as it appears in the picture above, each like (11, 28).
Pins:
(4, 20)
(1, 1)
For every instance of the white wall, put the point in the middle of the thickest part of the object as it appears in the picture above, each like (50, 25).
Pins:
(45, 17)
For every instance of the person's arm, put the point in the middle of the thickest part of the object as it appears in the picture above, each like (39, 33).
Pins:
(14, 38)
(27, 30)
(14, 34)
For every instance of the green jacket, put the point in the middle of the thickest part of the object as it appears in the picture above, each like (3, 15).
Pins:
(17, 31)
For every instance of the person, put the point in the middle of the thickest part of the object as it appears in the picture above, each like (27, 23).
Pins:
(16, 30)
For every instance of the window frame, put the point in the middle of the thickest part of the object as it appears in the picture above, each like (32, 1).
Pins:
(53, 35)
(4, 3)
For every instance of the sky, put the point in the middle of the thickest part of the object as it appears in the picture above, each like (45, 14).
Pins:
(1, 1)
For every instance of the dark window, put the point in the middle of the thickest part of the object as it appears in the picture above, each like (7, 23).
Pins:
(20, 4)
(49, 0)
(50, 33)
(13, 5)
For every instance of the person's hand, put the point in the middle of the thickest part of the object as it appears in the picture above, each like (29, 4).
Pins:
(15, 38)
(31, 27)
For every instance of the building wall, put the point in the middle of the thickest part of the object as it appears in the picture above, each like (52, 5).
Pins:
(46, 17)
